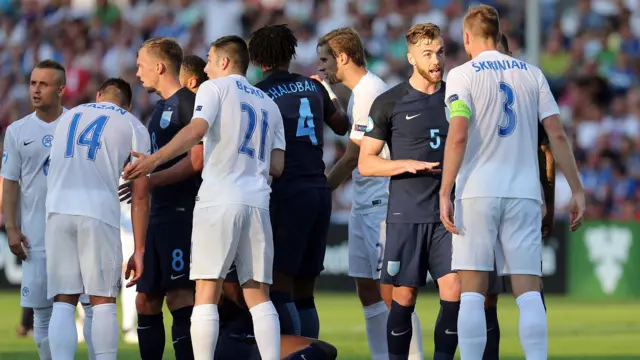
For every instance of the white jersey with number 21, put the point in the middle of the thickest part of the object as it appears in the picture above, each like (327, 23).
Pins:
(244, 126)
(90, 148)
(507, 97)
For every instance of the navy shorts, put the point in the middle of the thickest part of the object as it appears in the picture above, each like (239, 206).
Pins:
(233, 347)
(167, 256)
(300, 222)
(412, 250)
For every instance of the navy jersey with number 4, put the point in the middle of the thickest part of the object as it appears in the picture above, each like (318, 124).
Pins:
(169, 117)
(305, 105)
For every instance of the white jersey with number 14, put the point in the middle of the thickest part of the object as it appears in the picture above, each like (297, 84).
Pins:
(90, 148)
(507, 97)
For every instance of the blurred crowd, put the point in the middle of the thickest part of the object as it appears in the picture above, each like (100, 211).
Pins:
(590, 55)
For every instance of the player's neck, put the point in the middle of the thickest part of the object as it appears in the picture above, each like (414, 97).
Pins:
(482, 47)
(421, 84)
(49, 115)
(168, 86)
(353, 76)
(266, 72)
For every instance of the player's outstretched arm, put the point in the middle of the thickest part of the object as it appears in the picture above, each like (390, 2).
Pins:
(187, 167)
(335, 116)
(370, 164)
(562, 152)
(140, 220)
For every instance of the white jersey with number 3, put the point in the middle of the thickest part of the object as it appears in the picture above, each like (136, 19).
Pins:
(244, 126)
(507, 97)
(90, 148)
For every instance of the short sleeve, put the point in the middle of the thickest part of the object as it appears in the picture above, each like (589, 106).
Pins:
(185, 108)
(379, 120)
(458, 94)
(11, 158)
(547, 105)
(208, 102)
(279, 141)
(360, 116)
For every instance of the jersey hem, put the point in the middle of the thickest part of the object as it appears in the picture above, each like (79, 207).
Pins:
(368, 210)
(83, 215)
(208, 204)
(499, 197)
(11, 178)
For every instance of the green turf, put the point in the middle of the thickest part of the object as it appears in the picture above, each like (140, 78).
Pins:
(578, 329)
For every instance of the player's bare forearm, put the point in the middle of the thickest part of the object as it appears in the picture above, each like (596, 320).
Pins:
(454, 149)
(140, 212)
(374, 165)
(184, 140)
(10, 198)
(187, 167)
(563, 155)
(345, 166)
(547, 178)
(276, 166)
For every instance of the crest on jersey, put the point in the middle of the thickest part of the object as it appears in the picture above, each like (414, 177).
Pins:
(369, 124)
(26, 292)
(165, 120)
(46, 140)
(393, 268)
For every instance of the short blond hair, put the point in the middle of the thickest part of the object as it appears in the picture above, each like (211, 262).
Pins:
(166, 49)
(421, 32)
(484, 21)
(345, 40)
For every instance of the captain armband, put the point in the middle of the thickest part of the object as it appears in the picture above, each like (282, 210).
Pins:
(460, 108)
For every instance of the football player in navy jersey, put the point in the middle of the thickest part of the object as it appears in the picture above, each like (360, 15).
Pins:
(300, 206)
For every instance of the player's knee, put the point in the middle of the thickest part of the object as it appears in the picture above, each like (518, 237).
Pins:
(521, 284)
(405, 296)
(179, 298)
(490, 301)
(368, 291)
(449, 287)
(41, 317)
(281, 282)
(147, 304)
(303, 287)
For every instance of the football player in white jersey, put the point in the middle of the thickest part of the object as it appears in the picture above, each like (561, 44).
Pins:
(25, 164)
(91, 145)
(342, 59)
(495, 103)
(244, 144)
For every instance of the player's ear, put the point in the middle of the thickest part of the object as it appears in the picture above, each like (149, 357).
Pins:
(98, 96)
(342, 58)
(224, 63)
(411, 59)
(61, 90)
(191, 84)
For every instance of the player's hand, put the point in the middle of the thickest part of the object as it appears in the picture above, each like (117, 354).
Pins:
(446, 215)
(124, 191)
(414, 166)
(576, 210)
(143, 165)
(17, 243)
(316, 77)
(135, 265)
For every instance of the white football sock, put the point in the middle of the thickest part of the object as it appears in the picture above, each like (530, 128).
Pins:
(416, 352)
(129, 314)
(41, 318)
(104, 331)
(63, 336)
(86, 330)
(472, 326)
(266, 326)
(205, 325)
(533, 326)
(375, 317)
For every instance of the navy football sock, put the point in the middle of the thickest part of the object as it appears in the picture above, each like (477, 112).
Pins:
(181, 333)
(151, 336)
(309, 322)
(315, 351)
(287, 313)
(445, 335)
(492, 349)
(399, 331)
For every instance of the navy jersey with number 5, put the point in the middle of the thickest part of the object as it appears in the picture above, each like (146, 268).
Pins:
(305, 105)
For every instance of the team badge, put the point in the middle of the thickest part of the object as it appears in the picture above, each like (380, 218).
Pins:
(369, 124)
(46, 140)
(452, 98)
(165, 120)
(25, 292)
(393, 268)
(199, 107)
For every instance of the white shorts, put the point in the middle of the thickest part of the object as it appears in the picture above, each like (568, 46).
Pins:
(233, 233)
(367, 237)
(33, 293)
(506, 227)
(84, 255)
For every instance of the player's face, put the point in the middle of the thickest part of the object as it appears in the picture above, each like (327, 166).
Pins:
(45, 88)
(328, 65)
(147, 70)
(427, 58)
